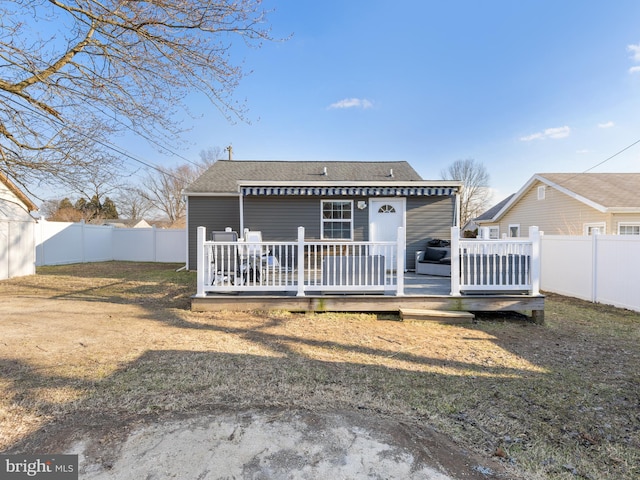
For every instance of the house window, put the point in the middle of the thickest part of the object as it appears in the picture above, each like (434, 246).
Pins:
(541, 192)
(514, 230)
(494, 233)
(629, 229)
(387, 209)
(337, 219)
(594, 229)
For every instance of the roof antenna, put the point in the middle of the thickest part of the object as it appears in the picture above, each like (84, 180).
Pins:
(230, 150)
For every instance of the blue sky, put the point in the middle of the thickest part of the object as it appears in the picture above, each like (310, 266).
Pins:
(522, 86)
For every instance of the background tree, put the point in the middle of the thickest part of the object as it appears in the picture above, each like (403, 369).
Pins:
(133, 204)
(75, 72)
(475, 194)
(163, 187)
(60, 211)
(64, 211)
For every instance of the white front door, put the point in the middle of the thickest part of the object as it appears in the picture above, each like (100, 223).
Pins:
(385, 216)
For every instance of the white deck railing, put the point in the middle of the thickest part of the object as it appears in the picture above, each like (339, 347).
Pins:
(301, 266)
(504, 266)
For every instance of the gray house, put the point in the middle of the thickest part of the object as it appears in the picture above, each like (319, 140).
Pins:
(359, 201)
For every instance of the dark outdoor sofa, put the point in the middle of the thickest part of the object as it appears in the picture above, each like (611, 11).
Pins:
(435, 259)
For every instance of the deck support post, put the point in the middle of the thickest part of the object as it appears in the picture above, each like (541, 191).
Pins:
(300, 256)
(455, 261)
(538, 317)
(202, 234)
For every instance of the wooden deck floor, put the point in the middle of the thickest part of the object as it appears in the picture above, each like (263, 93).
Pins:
(421, 292)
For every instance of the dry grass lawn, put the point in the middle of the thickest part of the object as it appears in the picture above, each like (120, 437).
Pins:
(98, 345)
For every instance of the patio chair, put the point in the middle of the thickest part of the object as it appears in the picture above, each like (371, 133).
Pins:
(224, 259)
(254, 255)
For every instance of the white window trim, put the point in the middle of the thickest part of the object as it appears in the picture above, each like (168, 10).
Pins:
(322, 220)
(512, 225)
(599, 225)
(541, 192)
(627, 224)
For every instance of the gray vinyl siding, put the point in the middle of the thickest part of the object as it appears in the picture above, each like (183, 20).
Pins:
(213, 213)
(427, 218)
(278, 218)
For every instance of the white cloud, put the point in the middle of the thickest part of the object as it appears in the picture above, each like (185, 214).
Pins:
(582, 152)
(352, 103)
(634, 70)
(606, 125)
(553, 133)
(635, 52)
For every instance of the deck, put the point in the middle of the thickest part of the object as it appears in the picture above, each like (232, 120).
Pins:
(423, 292)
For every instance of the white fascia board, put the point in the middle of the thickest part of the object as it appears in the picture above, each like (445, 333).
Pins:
(573, 194)
(549, 183)
(513, 200)
(210, 194)
(623, 210)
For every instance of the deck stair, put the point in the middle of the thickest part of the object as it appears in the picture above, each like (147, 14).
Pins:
(443, 316)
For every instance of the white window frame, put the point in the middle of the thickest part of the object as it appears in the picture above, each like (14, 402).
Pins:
(323, 220)
(541, 192)
(494, 232)
(601, 226)
(628, 224)
(516, 226)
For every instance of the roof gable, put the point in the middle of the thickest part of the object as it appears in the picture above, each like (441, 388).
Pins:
(605, 192)
(29, 205)
(224, 175)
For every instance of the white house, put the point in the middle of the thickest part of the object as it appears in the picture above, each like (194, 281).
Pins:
(17, 231)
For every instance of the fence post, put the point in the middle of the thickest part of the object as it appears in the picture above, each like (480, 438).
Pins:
(300, 256)
(400, 261)
(155, 243)
(202, 234)
(455, 261)
(534, 237)
(84, 247)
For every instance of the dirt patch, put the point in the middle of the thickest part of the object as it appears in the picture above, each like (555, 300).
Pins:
(278, 444)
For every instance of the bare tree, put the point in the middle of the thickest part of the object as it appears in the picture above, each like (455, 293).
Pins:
(133, 203)
(74, 72)
(163, 187)
(475, 194)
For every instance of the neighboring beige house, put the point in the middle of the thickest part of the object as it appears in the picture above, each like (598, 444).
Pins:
(570, 204)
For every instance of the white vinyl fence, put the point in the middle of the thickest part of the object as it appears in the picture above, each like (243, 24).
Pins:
(597, 268)
(62, 242)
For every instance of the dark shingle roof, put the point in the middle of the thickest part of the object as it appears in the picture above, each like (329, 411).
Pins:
(222, 176)
(488, 215)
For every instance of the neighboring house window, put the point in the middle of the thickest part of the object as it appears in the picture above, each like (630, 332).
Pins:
(514, 230)
(594, 229)
(628, 229)
(494, 233)
(541, 192)
(337, 219)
